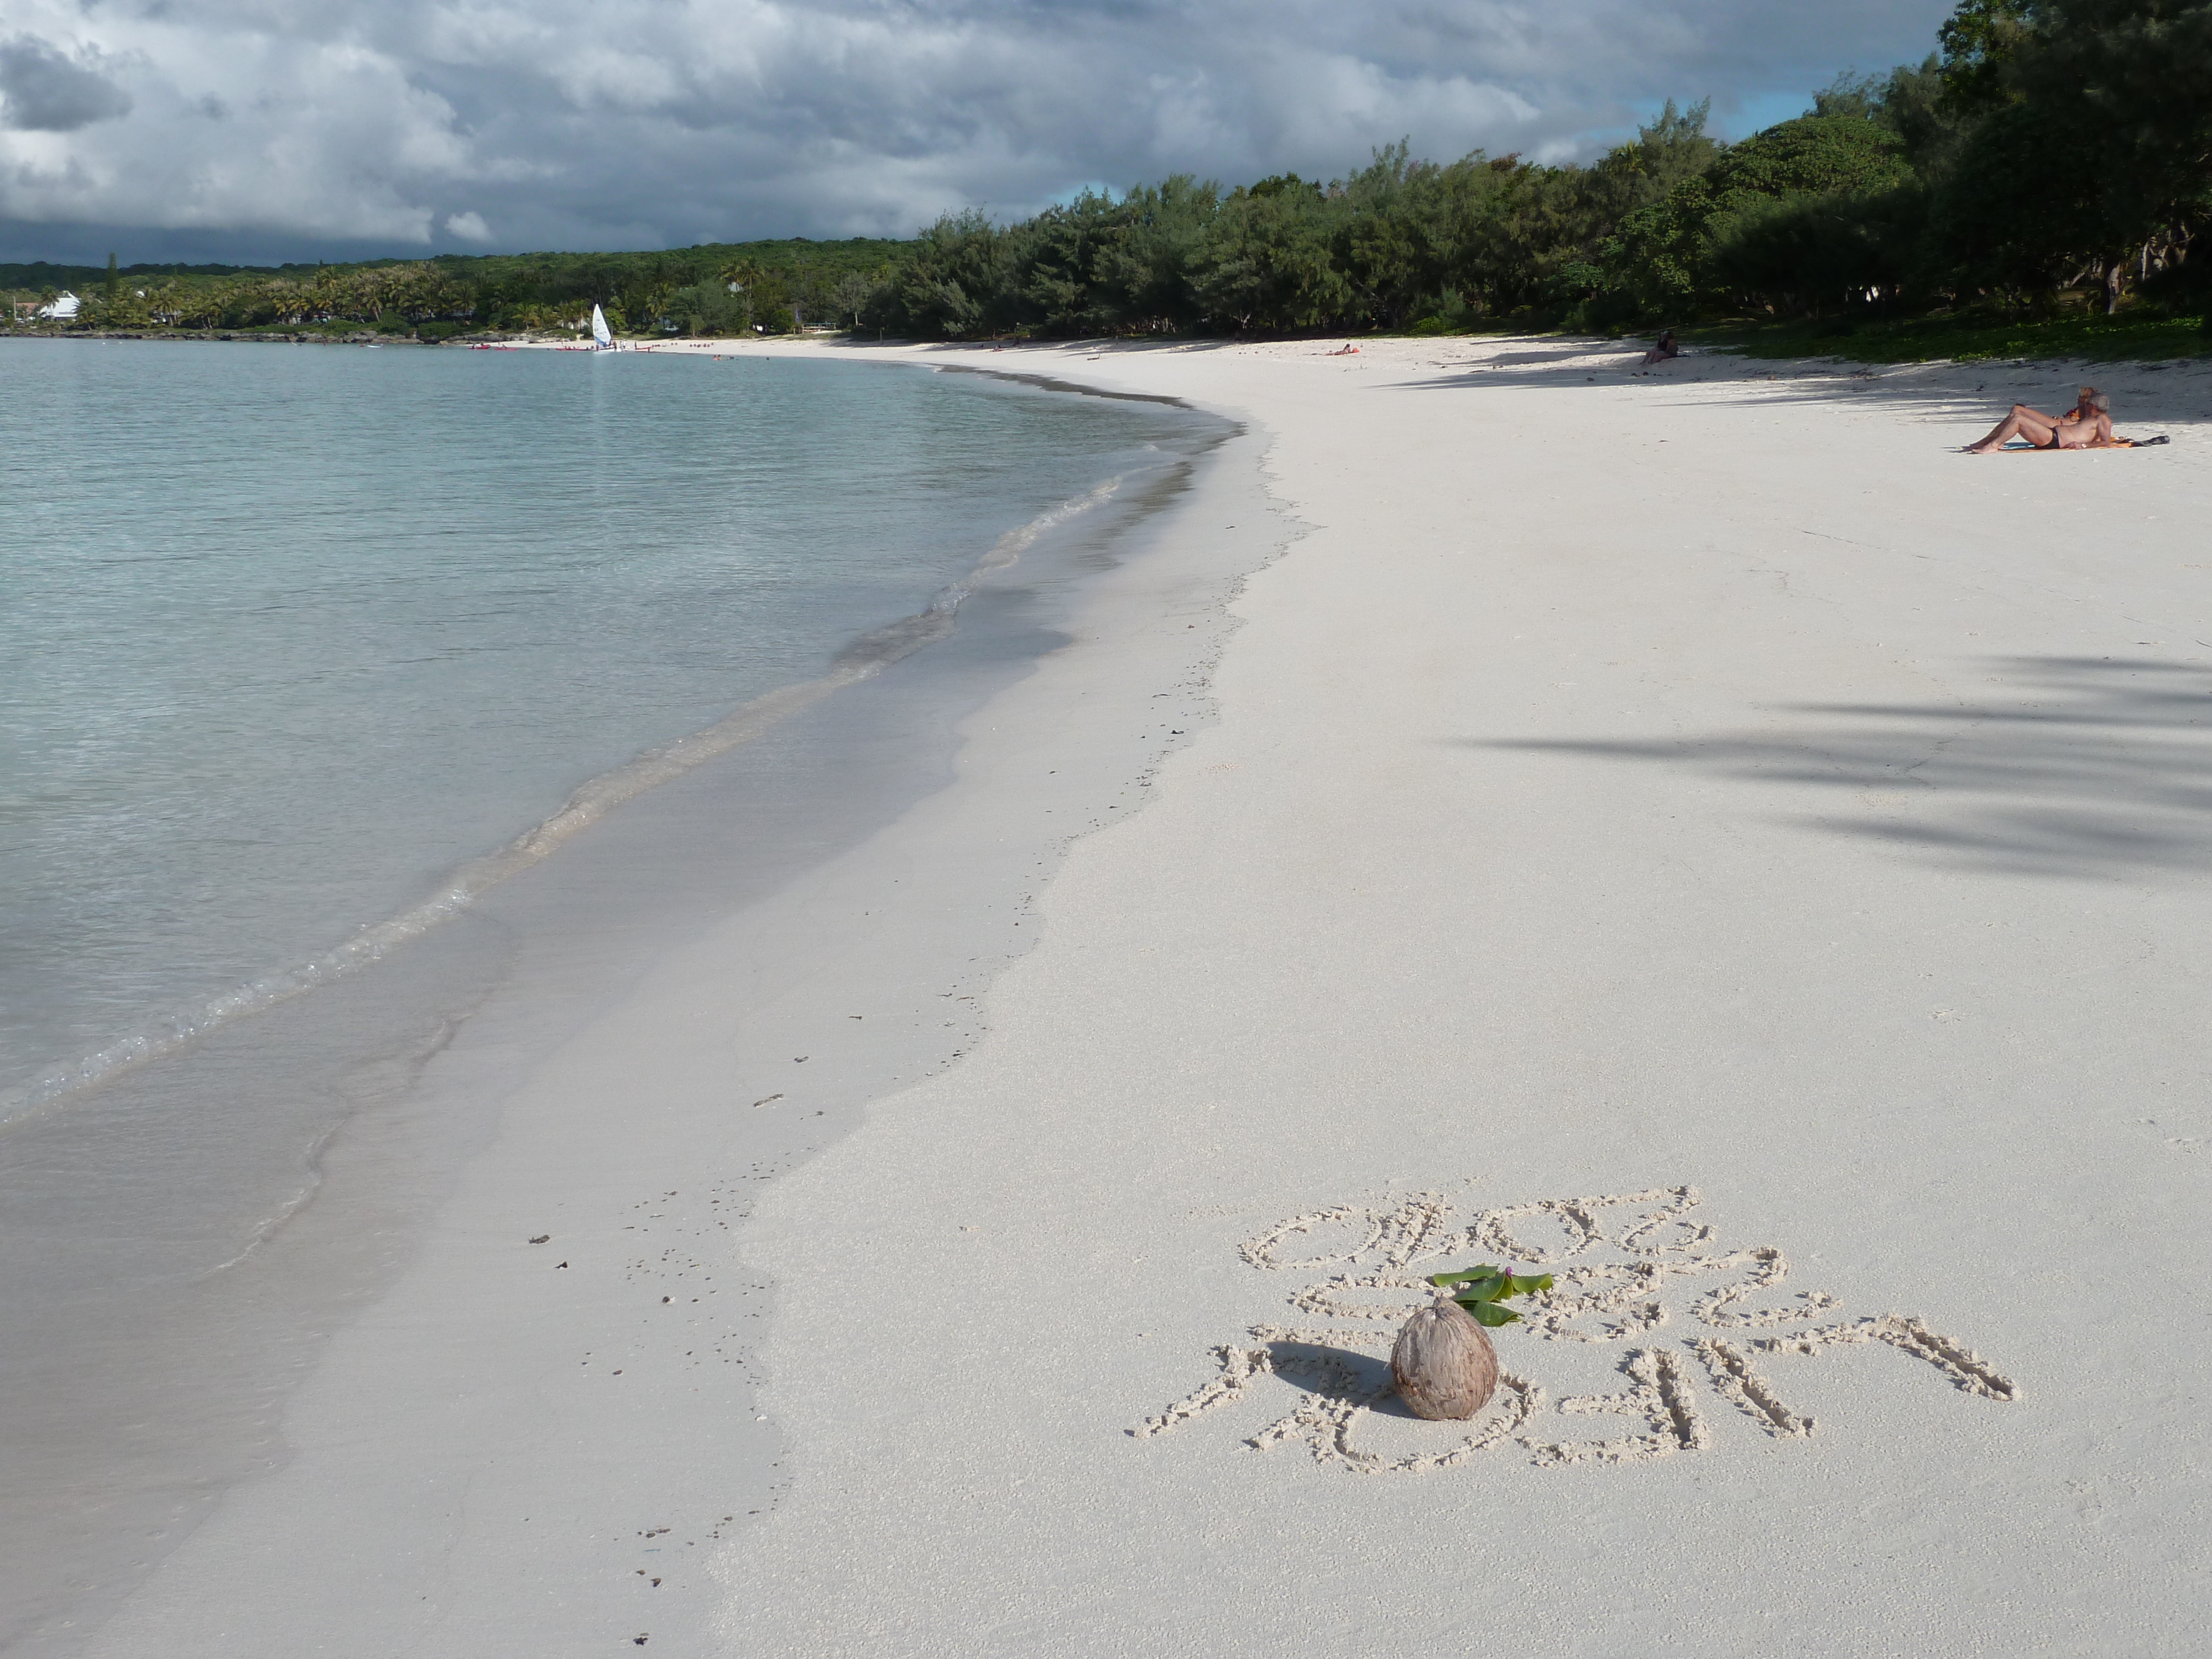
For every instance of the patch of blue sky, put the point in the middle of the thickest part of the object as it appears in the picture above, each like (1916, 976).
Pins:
(1756, 113)
(1732, 119)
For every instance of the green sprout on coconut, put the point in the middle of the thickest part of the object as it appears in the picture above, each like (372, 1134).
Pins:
(1483, 1291)
(1443, 1365)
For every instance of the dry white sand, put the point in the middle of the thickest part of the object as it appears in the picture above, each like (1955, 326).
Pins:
(1694, 831)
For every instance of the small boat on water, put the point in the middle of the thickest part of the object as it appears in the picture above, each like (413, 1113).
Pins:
(602, 338)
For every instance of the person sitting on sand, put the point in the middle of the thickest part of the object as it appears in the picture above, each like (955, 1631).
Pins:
(1664, 349)
(2087, 425)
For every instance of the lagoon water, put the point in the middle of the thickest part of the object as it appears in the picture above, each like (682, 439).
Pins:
(302, 652)
(288, 635)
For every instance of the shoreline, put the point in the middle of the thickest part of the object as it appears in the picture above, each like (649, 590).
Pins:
(1618, 353)
(1714, 343)
(1787, 830)
(856, 660)
(390, 1170)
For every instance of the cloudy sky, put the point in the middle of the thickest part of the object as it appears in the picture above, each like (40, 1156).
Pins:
(266, 129)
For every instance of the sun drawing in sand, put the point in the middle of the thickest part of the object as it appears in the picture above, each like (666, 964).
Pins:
(1619, 1263)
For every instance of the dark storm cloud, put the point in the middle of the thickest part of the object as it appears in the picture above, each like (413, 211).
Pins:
(43, 91)
(462, 124)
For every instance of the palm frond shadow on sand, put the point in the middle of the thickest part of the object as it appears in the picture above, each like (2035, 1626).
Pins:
(2147, 398)
(2092, 768)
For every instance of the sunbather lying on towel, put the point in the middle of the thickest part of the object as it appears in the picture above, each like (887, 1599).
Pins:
(2087, 425)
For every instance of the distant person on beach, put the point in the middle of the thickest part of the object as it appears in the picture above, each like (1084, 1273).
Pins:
(2087, 425)
(1660, 353)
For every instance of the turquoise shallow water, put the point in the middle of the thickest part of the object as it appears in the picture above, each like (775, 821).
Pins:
(287, 636)
(296, 644)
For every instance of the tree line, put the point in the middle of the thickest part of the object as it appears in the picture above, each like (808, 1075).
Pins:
(773, 287)
(2049, 153)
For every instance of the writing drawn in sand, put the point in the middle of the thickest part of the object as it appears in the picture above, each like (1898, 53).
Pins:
(1621, 1264)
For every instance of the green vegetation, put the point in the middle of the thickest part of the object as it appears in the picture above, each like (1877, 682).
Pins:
(722, 288)
(2036, 187)
(1483, 1291)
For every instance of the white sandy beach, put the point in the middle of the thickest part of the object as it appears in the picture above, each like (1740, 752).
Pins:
(1692, 830)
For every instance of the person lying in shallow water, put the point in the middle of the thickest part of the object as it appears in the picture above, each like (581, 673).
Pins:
(2087, 425)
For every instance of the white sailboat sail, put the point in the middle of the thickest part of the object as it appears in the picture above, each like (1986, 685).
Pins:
(601, 336)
